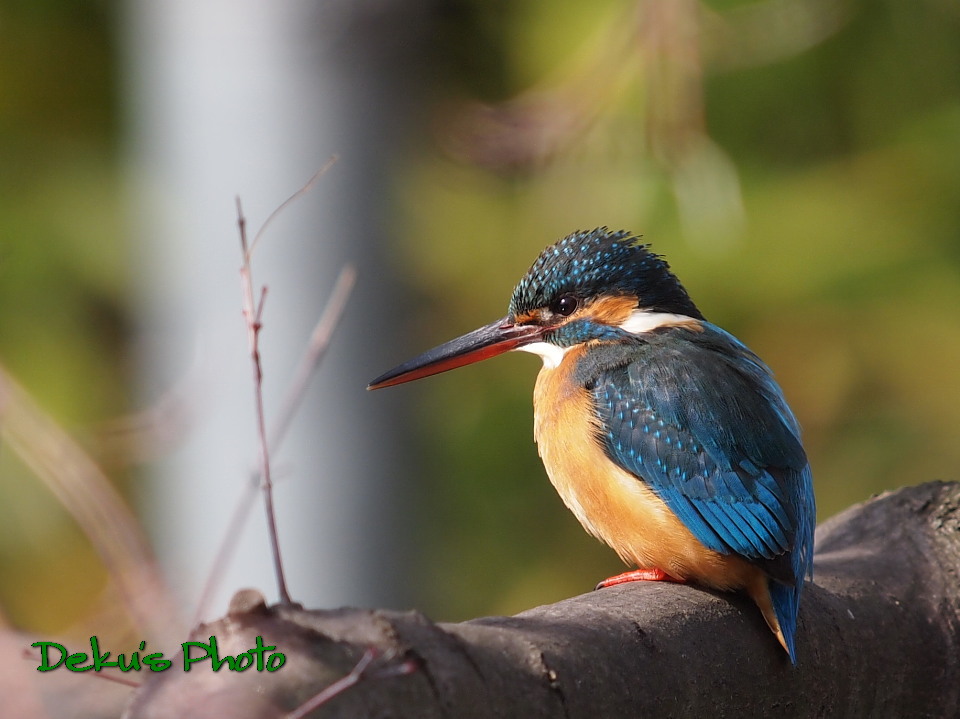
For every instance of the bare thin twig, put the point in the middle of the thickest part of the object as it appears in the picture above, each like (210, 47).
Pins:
(293, 198)
(312, 354)
(253, 315)
(227, 544)
(360, 671)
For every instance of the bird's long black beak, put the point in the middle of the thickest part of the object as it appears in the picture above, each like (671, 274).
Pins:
(489, 341)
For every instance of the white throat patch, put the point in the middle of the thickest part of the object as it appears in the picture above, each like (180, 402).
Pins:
(551, 354)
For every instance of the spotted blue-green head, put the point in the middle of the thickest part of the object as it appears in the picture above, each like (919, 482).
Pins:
(590, 286)
(585, 266)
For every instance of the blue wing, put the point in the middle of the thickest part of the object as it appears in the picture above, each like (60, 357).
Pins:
(699, 418)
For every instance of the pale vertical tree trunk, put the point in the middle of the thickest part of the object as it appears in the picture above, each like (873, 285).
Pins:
(249, 98)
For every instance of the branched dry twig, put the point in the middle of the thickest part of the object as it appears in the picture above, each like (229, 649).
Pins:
(313, 353)
(253, 316)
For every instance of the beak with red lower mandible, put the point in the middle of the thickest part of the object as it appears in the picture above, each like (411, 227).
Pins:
(489, 341)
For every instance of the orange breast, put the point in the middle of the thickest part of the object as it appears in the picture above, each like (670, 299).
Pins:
(612, 504)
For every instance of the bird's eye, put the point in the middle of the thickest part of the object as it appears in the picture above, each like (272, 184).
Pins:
(565, 306)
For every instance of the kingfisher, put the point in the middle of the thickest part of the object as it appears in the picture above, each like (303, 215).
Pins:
(666, 437)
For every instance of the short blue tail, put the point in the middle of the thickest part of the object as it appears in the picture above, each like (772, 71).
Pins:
(786, 599)
(786, 603)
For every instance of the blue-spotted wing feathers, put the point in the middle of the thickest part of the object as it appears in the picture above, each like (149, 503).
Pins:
(699, 418)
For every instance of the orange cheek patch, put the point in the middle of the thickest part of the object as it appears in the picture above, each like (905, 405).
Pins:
(611, 310)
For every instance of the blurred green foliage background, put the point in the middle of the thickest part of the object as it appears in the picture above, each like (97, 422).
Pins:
(797, 161)
(63, 282)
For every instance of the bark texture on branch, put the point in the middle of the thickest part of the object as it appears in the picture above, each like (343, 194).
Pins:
(879, 636)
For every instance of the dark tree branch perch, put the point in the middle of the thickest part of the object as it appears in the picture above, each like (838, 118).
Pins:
(879, 636)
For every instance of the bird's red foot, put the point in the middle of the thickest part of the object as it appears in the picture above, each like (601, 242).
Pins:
(638, 575)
